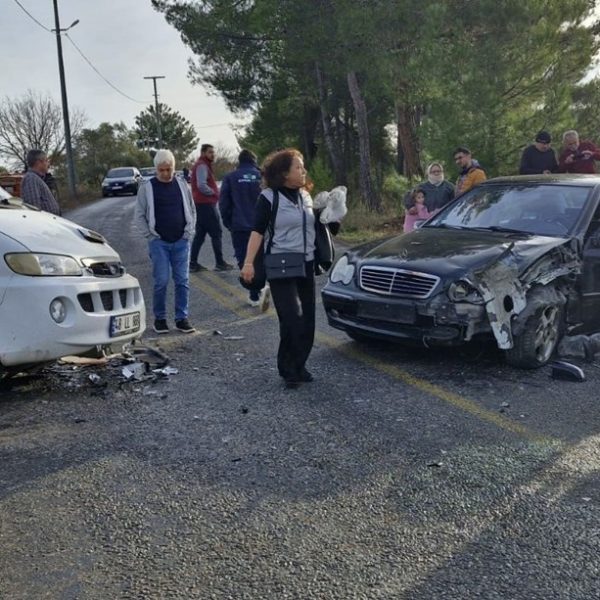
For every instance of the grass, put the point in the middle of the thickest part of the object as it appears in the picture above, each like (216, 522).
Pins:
(362, 225)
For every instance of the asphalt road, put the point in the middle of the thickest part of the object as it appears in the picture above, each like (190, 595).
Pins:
(419, 475)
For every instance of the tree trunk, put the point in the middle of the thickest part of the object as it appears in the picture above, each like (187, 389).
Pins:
(328, 134)
(370, 197)
(406, 119)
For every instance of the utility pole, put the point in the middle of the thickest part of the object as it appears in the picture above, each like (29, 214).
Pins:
(156, 109)
(65, 105)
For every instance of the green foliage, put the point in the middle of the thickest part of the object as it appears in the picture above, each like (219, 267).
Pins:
(394, 189)
(483, 73)
(321, 175)
(178, 133)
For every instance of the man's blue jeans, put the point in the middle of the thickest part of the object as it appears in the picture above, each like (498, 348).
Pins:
(170, 257)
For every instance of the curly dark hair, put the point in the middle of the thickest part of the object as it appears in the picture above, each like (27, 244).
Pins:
(277, 165)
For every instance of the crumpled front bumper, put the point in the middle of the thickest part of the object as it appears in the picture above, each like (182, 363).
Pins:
(431, 321)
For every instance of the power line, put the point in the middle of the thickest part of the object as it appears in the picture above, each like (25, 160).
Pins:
(32, 17)
(89, 62)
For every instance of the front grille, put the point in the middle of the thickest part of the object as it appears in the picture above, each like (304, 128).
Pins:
(106, 269)
(397, 282)
(108, 301)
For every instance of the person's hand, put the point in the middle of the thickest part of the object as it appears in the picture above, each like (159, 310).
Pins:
(248, 272)
(570, 159)
(413, 211)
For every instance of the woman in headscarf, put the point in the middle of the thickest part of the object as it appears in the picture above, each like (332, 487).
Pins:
(438, 190)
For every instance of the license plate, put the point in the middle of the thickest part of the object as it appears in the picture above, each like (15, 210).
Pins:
(117, 186)
(123, 324)
(394, 313)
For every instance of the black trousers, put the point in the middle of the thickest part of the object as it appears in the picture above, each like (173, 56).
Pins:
(207, 221)
(294, 301)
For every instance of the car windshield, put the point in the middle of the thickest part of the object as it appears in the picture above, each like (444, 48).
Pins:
(535, 209)
(120, 173)
(148, 171)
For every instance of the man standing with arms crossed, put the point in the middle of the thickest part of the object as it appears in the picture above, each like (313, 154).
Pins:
(206, 196)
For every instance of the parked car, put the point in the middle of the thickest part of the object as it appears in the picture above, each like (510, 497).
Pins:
(147, 173)
(63, 289)
(515, 259)
(123, 180)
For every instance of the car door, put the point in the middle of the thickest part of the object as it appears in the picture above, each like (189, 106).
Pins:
(590, 278)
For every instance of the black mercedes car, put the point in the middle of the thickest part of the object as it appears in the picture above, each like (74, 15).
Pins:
(516, 259)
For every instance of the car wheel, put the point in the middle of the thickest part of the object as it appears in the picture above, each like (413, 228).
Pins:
(535, 345)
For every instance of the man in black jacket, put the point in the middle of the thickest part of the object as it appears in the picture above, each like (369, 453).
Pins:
(539, 158)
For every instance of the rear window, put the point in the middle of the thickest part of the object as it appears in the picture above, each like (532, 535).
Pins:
(120, 173)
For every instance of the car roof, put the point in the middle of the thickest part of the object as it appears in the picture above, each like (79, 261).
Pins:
(556, 178)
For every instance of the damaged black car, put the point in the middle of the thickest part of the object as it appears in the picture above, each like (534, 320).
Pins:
(516, 260)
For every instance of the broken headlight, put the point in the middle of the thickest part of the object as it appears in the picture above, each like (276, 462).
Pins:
(463, 291)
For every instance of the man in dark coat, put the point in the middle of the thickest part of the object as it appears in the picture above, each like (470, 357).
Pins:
(239, 192)
(539, 158)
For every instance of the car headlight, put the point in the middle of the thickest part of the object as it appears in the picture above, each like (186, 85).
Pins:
(46, 265)
(104, 183)
(463, 291)
(343, 271)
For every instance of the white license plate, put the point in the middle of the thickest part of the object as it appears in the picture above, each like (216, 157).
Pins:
(123, 324)
(117, 186)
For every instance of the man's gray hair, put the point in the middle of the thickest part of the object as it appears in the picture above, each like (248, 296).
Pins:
(571, 133)
(33, 156)
(164, 156)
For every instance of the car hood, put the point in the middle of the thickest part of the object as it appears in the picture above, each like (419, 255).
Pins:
(39, 231)
(450, 253)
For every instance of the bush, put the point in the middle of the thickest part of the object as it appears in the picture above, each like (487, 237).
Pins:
(394, 189)
(321, 175)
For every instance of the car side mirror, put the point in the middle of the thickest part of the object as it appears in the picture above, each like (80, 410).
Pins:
(419, 223)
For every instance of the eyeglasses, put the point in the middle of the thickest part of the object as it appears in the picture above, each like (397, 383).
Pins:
(432, 172)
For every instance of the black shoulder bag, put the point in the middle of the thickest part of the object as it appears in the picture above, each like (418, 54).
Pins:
(284, 265)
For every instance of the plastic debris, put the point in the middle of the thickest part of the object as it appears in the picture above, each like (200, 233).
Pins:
(217, 332)
(233, 337)
(561, 369)
(134, 371)
(83, 360)
(166, 371)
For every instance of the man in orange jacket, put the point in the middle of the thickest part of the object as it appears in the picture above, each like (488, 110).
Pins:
(470, 173)
(205, 193)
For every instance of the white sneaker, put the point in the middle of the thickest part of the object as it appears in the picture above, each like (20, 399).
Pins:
(254, 303)
(265, 298)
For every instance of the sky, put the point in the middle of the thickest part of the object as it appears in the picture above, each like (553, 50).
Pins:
(125, 40)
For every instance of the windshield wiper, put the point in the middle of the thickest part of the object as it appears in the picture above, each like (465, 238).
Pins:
(502, 229)
(446, 226)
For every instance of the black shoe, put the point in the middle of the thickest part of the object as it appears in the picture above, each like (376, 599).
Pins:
(160, 326)
(291, 384)
(306, 376)
(224, 266)
(184, 325)
(195, 267)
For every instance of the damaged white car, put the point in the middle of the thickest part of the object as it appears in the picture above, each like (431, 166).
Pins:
(63, 289)
(515, 259)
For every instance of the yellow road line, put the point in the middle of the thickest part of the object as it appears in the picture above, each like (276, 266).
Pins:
(348, 350)
(456, 400)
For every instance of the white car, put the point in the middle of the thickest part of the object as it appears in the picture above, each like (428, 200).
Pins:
(63, 289)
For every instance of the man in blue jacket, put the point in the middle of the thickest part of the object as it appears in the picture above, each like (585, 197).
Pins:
(239, 192)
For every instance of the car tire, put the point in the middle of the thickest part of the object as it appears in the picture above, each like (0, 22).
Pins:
(536, 344)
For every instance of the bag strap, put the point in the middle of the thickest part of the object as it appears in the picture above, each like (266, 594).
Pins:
(271, 225)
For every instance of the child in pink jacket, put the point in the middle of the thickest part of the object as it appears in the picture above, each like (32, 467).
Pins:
(417, 211)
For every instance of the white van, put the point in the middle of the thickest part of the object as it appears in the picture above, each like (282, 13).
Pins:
(63, 289)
